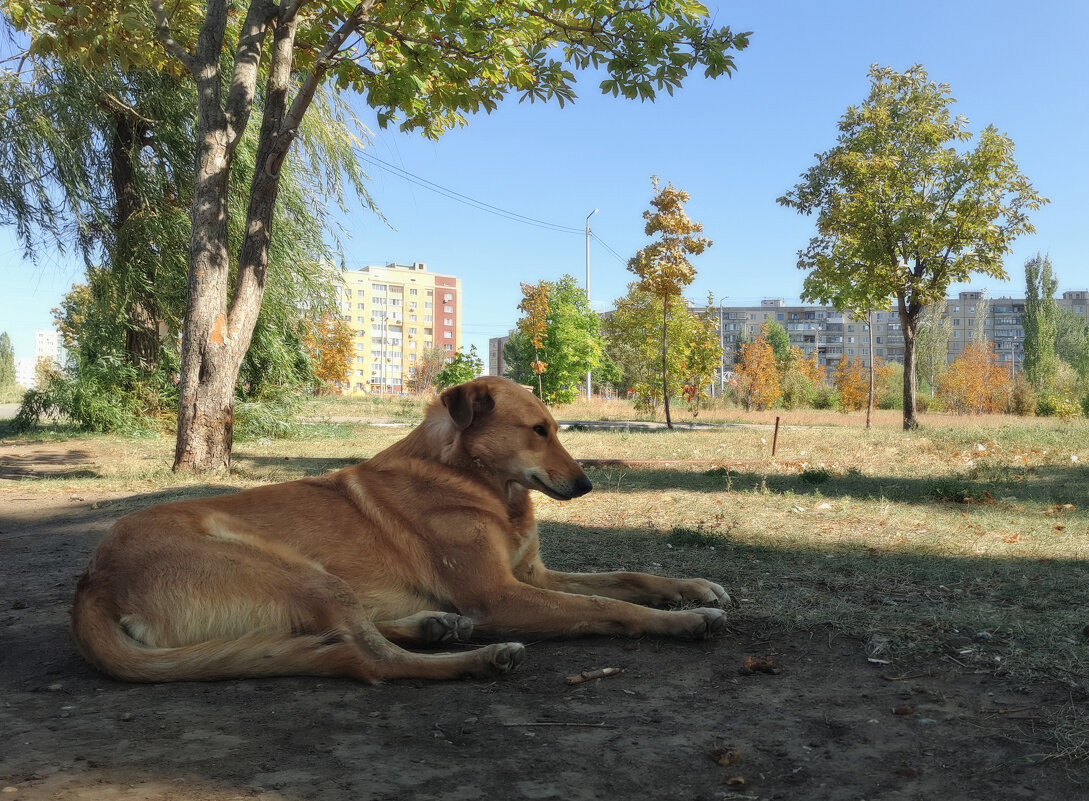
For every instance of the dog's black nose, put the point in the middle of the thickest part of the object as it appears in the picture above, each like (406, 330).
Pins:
(582, 486)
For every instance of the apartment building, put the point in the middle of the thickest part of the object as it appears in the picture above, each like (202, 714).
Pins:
(397, 311)
(48, 345)
(834, 335)
(497, 363)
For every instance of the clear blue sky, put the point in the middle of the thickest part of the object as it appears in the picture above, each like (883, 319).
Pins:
(735, 144)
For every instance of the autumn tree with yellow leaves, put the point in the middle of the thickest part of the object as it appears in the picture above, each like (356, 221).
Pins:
(976, 383)
(534, 325)
(662, 266)
(850, 380)
(329, 344)
(757, 375)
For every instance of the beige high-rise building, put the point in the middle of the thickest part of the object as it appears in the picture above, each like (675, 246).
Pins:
(396, 312)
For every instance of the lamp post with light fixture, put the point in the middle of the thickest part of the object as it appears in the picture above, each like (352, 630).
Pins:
(588, 343)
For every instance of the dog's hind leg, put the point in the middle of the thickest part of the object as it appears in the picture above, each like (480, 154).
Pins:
(369, 656)
(427, 628)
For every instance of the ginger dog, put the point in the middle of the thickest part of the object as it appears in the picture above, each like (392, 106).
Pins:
(426, 542)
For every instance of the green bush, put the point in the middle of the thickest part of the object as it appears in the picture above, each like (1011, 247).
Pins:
(826, 397)
(271, 414)
(1051, 405)
(796, 391)
(105, 396)
(1023, 400)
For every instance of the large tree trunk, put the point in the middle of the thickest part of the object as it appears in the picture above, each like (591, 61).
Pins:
(909, 320)
(665, 361)
(215, 339)
(210, 356)
(142, 324)
(208, 371)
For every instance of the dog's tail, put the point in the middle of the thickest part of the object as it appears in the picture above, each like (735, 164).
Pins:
(108, 645)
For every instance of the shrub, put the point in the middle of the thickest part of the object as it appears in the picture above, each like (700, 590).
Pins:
(1050, 405)
(106, 396)
(826, 397)
(272, 414)
(1023, 397)
(797, 391)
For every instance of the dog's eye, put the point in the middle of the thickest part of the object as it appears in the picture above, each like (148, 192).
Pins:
(540, 431)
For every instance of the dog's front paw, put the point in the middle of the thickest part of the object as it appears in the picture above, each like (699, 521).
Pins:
(709, 622)
(506, 656)
(706, 592)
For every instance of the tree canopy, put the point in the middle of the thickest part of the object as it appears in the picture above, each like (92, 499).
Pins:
(662, 266)
(901, 212)
(558, 333)
(423, 65)
(1040, 321)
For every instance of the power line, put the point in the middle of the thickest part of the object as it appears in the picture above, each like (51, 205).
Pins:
(480, 205)
(454, 195)
(602, 242)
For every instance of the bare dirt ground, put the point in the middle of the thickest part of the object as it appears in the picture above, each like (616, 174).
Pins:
(681, 721)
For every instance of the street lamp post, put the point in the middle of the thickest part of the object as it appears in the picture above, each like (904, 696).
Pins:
(588, 344)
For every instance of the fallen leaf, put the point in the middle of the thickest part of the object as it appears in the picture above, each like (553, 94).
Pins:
(1013, 538)
(758, 664)
(904, 710)
(736, 781)
(726, 756)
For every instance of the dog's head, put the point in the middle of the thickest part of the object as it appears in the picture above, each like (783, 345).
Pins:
(506, 429)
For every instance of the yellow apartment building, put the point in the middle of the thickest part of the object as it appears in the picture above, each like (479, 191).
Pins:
(396, 312)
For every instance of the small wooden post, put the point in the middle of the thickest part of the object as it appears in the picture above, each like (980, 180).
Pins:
(775, 438)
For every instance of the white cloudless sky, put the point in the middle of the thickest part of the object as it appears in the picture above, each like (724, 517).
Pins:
(735, 144)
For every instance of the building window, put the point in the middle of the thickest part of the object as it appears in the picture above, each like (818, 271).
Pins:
(378, 287)
(413, 291)
(448, 334)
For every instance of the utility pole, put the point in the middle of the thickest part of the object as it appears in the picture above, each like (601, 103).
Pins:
(588, 343)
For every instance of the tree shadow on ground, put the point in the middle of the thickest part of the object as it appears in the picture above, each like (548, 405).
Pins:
(73, 731)
(1054, 484)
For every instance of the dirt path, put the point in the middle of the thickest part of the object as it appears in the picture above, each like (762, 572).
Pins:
(822, 727)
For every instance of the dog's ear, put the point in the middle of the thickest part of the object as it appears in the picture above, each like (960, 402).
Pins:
(466, 403)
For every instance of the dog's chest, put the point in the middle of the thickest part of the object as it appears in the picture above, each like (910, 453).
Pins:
(523, 545)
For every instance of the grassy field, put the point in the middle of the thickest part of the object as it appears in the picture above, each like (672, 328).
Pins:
(965, 542)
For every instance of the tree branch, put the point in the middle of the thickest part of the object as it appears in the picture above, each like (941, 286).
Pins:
(305, 96)
(162, 31)
(243, 86)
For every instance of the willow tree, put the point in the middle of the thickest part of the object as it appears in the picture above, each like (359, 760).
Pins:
(663, 267)
(901, 212)
(101, 161)
(424, 64)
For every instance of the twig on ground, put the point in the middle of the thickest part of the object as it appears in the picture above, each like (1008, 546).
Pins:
(590, 675)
